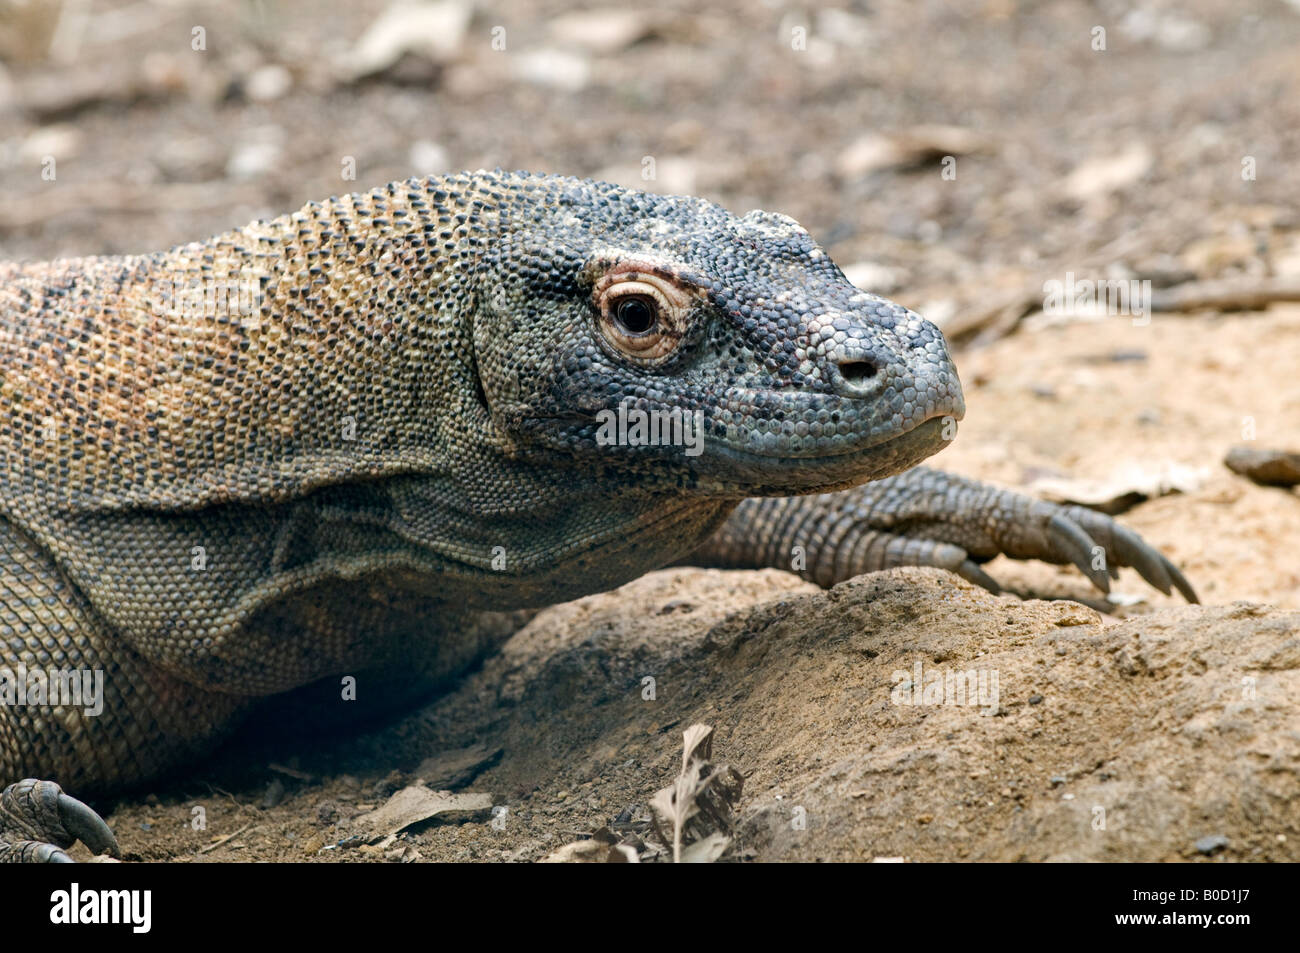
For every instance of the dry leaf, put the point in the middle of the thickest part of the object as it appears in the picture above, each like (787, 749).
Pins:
(693, 815)
(415, 804)
(1127, 485)
(601, 848)
(707, 850)
(449, 770)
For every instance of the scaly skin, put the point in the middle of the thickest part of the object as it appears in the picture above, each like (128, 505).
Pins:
(344, 441)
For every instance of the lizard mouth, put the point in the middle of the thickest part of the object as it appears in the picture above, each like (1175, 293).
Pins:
(723, 465)
(785, 473)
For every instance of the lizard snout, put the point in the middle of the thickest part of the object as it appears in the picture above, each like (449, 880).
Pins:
(890, 357)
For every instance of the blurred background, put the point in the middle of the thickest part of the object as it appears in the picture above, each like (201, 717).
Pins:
(169, 120)
(954, 156)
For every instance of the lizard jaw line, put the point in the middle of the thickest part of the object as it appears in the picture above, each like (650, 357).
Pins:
(891, 455)
(833, 454)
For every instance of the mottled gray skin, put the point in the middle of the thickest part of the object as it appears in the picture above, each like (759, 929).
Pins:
(398, 440)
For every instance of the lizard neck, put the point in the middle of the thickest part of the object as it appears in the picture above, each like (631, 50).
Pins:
(325, 347)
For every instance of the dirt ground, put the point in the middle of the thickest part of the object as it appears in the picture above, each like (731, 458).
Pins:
(1169, 156)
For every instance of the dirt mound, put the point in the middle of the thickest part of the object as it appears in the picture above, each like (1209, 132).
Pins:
(1036, 730)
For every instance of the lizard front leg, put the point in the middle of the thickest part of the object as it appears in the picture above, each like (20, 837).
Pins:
(398, 644)
(79, 706)
(926, 517)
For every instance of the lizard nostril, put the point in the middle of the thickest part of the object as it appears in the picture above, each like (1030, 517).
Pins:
(857, 371)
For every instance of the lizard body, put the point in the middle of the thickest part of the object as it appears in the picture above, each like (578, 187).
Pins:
(347, 440)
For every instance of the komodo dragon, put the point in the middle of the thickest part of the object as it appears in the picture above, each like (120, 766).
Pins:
(344, 441)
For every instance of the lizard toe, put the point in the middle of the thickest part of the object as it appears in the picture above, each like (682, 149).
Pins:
(1126, 548)
(38, 822)
(1076, 546)
(971, 572)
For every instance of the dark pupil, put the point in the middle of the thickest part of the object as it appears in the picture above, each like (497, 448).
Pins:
(635, 316)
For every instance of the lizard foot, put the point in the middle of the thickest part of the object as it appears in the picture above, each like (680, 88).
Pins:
(38, 822)
(932, 518)
(1027, 528)
(1093, 542)
(927, 517)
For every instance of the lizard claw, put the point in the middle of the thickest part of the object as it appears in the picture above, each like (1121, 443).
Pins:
(1076, 545)
(967, 522)
(1056, 534)
(38, 821)
(970, 570)
(1122, 547)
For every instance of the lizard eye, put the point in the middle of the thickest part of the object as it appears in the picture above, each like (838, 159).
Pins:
(635, 315)
(640, 315)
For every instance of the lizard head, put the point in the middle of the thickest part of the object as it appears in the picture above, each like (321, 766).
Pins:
(677, 344)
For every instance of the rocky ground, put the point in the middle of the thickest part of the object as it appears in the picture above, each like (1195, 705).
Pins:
(1148, 730)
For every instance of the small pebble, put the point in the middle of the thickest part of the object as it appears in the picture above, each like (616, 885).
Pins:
(1211, 842)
